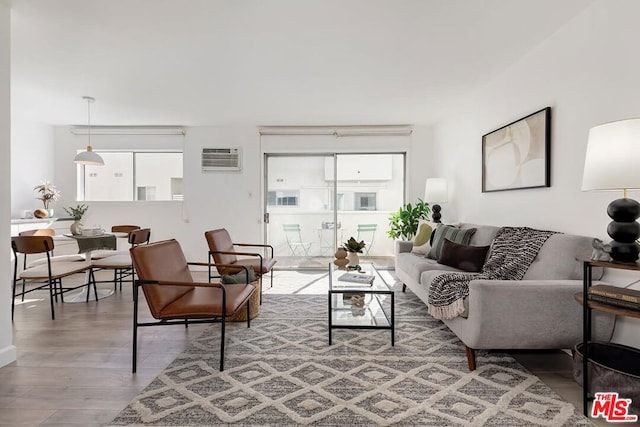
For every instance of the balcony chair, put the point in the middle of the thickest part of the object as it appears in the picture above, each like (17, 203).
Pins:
(366, 232)
(223, 251)
(174, 298)
(294, 239)
(48, 275)
(121, 264)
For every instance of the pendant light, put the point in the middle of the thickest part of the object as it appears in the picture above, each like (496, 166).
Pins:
(89, 157)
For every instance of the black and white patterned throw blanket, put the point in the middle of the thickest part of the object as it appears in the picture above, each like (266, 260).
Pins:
(512, 252)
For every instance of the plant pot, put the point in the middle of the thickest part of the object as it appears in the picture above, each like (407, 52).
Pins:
(76, 228)
(353, 258)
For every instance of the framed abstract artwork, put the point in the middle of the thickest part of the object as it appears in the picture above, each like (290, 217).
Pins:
(517, 155)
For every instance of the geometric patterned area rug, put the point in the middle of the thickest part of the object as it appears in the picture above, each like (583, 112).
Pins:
(282, 371)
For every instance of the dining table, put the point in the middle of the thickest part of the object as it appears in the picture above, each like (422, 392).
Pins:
(86, 246)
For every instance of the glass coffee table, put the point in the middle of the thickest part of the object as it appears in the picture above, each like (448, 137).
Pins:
(355, 305)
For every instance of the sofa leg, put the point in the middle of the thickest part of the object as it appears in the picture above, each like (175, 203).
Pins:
(471, 358)
(404, 287)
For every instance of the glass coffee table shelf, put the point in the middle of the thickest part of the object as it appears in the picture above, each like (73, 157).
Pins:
(377, 312)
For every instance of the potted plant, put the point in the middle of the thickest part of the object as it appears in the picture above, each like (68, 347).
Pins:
(403, 224)
(48, 194)
(353, 247)
(77, 214)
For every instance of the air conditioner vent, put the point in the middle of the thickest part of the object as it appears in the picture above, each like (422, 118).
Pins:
(221, 160)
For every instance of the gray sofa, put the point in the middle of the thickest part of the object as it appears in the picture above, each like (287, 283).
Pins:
(538, 312)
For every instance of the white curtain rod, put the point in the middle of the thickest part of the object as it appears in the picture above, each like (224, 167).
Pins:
(338, 131)
(128, 130)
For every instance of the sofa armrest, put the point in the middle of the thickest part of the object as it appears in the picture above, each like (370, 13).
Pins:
(526, 314)
(403, 246)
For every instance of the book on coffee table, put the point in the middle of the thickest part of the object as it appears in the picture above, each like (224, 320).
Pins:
(357, 278)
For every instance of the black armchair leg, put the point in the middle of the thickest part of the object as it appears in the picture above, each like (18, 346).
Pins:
(222, 327)
(135, 328)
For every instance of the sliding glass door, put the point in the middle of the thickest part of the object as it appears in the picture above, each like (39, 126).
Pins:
(314, 203)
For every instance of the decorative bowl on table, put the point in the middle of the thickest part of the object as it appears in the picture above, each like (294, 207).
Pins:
(87, 232)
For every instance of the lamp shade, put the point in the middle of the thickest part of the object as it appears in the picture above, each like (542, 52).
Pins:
(89, 157)
(435, 190)
(612, 161)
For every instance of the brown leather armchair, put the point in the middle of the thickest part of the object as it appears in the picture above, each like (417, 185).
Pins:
(223, 251)
(174, 298)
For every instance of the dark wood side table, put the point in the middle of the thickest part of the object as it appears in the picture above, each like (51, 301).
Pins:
(588, 265)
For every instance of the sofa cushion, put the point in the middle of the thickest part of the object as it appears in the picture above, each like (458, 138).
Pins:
(484, 234)
(454, 234)
(464, 257)
(422, 241)
(413, 265)
(556, 260)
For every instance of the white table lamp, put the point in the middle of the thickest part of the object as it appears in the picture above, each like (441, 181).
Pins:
(435, 191)
(612, 163)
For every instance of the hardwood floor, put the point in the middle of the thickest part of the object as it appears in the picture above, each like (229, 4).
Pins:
(76, 370)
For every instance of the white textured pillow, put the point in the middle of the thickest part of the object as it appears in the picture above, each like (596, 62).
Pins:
(421, 243)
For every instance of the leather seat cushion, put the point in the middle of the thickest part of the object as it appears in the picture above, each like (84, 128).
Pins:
(267, 264)
(206, 302)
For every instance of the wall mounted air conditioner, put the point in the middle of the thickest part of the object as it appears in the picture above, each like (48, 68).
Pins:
(221, 160)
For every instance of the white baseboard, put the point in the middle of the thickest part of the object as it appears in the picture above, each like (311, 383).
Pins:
(8, 355)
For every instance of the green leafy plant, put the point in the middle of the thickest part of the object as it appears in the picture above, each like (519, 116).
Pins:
(48, 193)
(352, 245)
(403, 224)
(77, 212)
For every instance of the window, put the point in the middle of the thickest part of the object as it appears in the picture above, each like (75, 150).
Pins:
(132, 175)
(365, 202)
(283, 198)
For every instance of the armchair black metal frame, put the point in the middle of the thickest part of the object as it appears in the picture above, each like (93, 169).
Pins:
(186, 321)
(219, 242)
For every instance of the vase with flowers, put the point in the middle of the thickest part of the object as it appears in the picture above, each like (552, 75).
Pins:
(48, 194)
(77, 214)
(353, 247)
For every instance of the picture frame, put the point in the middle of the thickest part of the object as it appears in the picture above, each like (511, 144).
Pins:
(517, 156)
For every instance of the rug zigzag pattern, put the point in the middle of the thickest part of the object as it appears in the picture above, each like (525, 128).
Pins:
(282, 371)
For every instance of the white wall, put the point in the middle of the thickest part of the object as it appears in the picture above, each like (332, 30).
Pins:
(588, 73)
(7, 350)
(32, 153)
(212, 200)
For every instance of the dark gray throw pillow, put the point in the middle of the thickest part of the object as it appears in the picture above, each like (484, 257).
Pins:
(463, 257)
(239, 277)
(455, 234)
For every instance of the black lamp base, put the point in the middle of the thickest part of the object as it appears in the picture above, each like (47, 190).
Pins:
(435, 216)
(624, 230)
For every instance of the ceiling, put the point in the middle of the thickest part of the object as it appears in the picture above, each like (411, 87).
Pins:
(266, 62)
